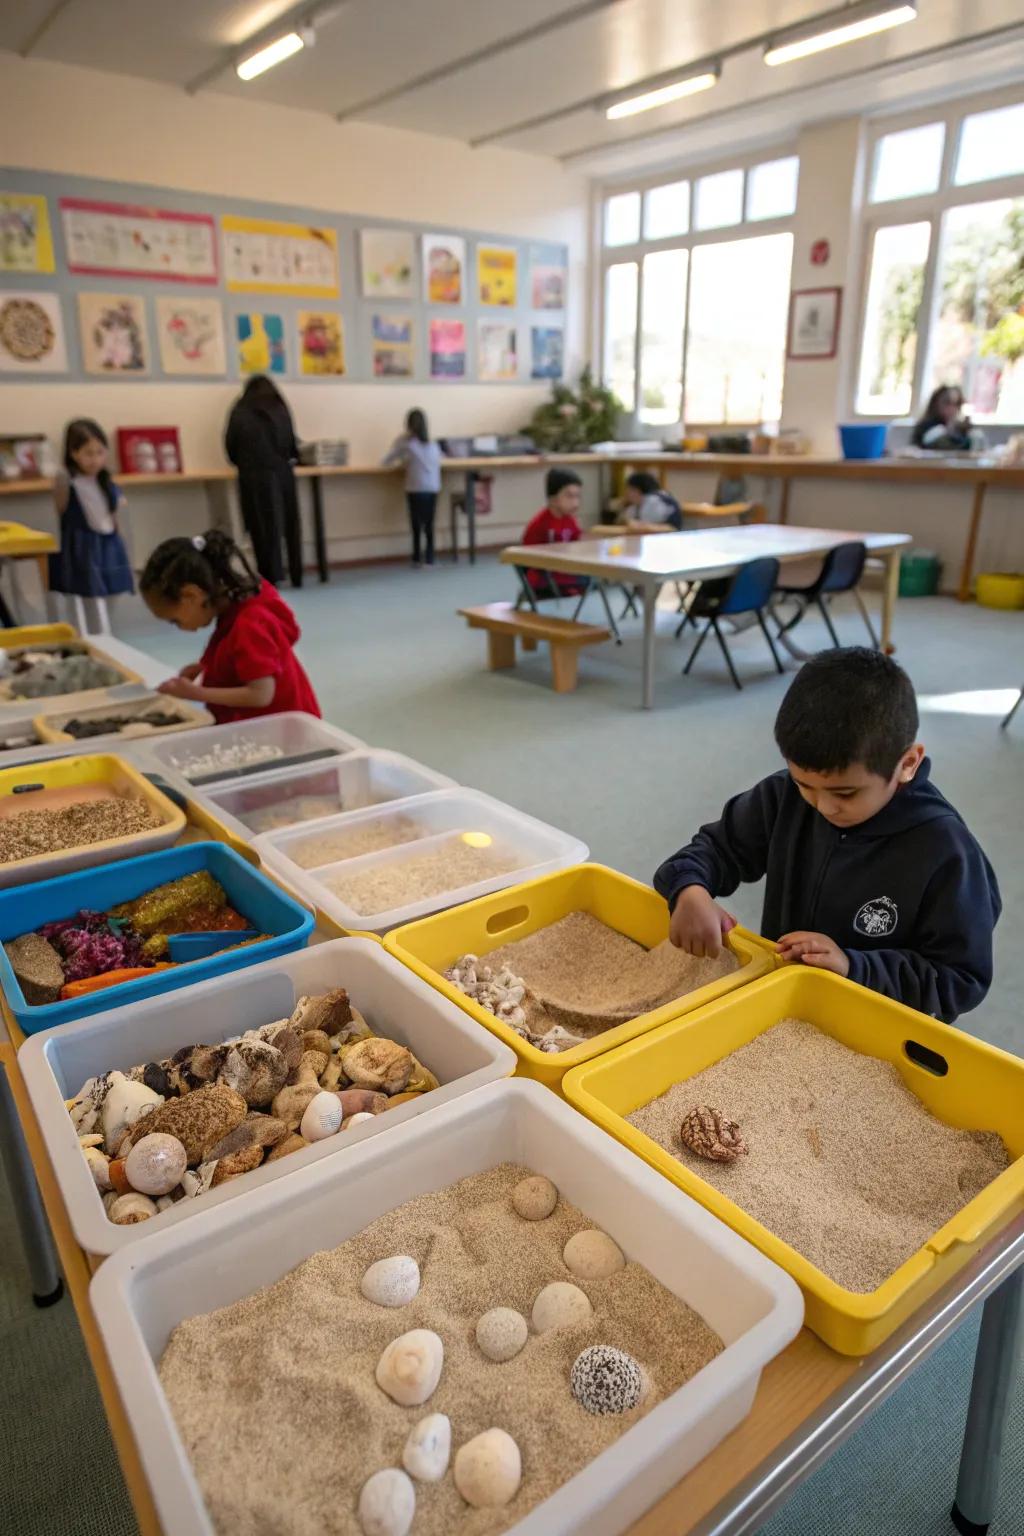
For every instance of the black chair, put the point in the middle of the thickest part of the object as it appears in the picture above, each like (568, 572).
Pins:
(748, 591)
(841, 571)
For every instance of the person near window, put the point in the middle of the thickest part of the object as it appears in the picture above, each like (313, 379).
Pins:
(647, 503)
(260, 442)
(944, 428)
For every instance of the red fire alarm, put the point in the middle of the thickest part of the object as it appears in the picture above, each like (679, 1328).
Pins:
(820, 252)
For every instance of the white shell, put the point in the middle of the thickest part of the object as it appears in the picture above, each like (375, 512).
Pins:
(99, 1167)
(124, 1103)
(128, 1209)
(358, 1118)
(387, 1504)
(534, 1198)
(560, 1305)
(501, 1333)
(321, 1117)
(592, 1255)
(428, 1448)
(488, 1469)
(410, 1368)
(155, 1164)
(391, 1282)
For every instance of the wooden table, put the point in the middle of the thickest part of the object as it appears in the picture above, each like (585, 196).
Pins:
(20, 543)
(649, 561)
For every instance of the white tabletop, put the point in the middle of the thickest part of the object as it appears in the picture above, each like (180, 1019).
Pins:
(688, 556)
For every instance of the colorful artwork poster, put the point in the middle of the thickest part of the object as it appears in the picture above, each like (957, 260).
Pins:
(392, 346)
(113, 331)
(386, 261)
(261, 346)
(32, 334)
(190, 333)
(321, 343)
(547, 351)
(444, 269)
(265, 256)
(447, 349)
(26, 242)
(496, 273)
(547, 286)
(497, 351)
(121, 240)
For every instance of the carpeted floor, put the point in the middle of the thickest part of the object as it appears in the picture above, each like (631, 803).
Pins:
(392, 664)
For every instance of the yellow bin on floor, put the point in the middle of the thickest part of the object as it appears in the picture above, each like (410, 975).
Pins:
(966, 1083)
(432, 944)
(1000, 589)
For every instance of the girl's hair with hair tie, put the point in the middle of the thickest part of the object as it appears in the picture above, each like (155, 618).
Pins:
(212, 562)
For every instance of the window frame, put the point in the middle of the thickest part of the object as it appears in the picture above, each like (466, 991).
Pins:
(921, 208)
(606, 256)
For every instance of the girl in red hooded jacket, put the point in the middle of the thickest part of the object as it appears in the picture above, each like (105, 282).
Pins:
(249, 666)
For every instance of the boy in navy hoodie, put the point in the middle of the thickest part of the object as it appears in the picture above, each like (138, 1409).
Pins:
(871, 873)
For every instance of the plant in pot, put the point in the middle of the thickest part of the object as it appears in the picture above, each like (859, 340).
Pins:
(574, 419)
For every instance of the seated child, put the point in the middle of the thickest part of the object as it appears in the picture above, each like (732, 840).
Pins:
(646, 502)
(556, 524)
(871, 873)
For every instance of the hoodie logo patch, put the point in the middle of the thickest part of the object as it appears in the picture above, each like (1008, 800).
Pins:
(878, 918)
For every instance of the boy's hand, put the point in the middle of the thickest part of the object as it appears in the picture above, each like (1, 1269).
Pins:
(192, 671)
(698, 923)
(815, 949)
(181, 688)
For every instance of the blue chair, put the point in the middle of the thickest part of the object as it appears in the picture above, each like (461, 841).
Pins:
(748, 591)
(841, 571)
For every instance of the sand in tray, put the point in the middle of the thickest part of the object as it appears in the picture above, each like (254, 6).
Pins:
(845, 1163)
(275, 1395)
(587, 977)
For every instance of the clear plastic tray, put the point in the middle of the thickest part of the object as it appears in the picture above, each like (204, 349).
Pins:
(220, 1256)
(393, 1001)
(490, 846)
(283, 737)
(280, 799)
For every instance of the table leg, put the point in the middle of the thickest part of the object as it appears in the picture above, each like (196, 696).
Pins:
(784, 500)
(889, 596)
(650, 613)
(967, 569)
(471, 515)
(319, 536)
(995, 1363)
(43, 564)
(531, 601)
(47, 1286)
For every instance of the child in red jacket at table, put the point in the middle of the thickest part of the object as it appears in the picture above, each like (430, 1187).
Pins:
(556, 524)
(249, 666)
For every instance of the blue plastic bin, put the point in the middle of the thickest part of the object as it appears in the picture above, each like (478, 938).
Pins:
(865, 440)
(26, 908)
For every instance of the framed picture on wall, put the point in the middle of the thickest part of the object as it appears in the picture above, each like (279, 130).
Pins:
(190, 332)
(114, 339)
(31, 333)
(814, 322)
(444, 267)
(387, 258)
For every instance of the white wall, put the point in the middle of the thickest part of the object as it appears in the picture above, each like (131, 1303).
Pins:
(57, 118)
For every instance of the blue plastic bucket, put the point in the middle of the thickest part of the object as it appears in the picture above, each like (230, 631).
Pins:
(249, 891)
(865, 440)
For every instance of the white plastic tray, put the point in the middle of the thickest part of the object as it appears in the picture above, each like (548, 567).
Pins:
(359, 779)
(294, 733)
(541, 848)
(393, 1001)
(138, 1297)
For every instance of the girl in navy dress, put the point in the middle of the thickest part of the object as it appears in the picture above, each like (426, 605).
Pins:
(93, 561)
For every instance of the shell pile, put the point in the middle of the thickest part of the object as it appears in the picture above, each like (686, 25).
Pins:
(709, 1134)
(504, 994)
(170, 1130)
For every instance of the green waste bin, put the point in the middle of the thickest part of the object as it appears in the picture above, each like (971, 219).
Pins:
(919, 573)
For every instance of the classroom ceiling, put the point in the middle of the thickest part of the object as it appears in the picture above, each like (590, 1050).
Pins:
(528, 76)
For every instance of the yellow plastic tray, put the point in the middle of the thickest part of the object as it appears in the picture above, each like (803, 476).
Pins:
(70, 772)
(49, 726)
(981, 1089)
(37, 634)
(43, 635)
(17, 539)
(432, 944)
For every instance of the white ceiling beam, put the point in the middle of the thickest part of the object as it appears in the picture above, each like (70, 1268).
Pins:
(479, 56)
(308, 14)
(43, 26)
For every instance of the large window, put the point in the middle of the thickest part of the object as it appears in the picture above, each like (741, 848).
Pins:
(944, 288)
(696, 295)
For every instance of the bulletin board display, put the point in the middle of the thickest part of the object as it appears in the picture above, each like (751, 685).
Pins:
(114, 280)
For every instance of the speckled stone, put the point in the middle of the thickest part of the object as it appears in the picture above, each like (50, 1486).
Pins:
(606, 1380)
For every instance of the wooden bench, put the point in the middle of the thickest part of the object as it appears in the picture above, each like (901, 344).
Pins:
(504, 623)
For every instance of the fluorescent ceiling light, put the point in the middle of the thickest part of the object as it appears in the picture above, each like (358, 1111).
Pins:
(273, 53)
(663, 94)
(864, 21)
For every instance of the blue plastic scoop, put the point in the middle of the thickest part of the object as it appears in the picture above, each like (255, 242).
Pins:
(182, 947)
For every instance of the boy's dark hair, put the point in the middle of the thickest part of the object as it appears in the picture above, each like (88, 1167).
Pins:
(558, 479)
(848, 706)
(76, 434)
(213, 563)
(645, 483)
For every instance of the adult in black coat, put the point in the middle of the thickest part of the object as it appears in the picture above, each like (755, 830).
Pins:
(260, 442)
